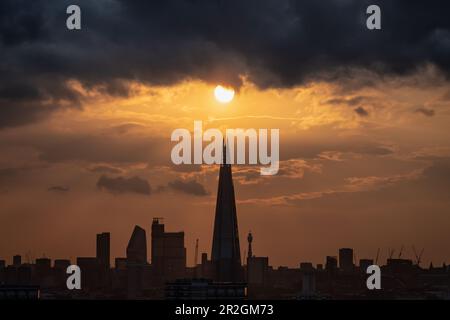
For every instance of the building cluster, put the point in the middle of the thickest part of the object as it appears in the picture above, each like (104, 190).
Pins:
(167, 276)
(223, 275)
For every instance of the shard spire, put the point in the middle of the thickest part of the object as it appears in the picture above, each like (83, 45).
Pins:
(226, 255)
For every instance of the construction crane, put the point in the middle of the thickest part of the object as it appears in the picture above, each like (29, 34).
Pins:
(418, 256)
(401, 251)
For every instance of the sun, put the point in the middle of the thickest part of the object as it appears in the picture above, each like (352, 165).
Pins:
(223, 95)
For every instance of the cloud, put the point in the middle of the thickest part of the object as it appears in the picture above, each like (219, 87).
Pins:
(190, 187)
(98, 147)
(121, 185)
(289, 169)
(105, 169)
(59, 189)
(273, 43)
(425, 111)
(361, 112)
(352, 185)
(350, 101)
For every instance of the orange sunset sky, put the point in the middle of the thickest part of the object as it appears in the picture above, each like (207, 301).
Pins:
(86, 118)
(346, 179)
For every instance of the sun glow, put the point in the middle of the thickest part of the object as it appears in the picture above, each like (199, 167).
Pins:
(224, 95)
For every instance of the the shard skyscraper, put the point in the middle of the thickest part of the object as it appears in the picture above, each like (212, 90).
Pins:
(226, 256)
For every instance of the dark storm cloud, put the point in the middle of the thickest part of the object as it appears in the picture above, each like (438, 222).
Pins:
(276, 43)
(121, 185)
(191, 187)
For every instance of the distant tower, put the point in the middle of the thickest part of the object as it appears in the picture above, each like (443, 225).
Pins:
(136, 261)
(226, 255)
(17, 260)
(346, 259)
(250, 240)
(103, 249)
(168, 252)
(137, 247)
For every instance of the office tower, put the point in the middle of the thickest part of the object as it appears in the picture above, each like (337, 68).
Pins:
(17, 260)
(59, 272)
(306, 266)
(90, 272)
(103, 249)
(225, 254)
(257, 270)
(137, 247)
(43, 263)
(136, 262)
(331, 264)
(168, 252)
(43, 268)
(346, 259)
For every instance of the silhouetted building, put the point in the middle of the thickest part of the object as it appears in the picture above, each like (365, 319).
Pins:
(25, 274)
(17, 260)
(308, 280)
(257, 270)
(62, 264)
(19, 292)
(346, 260)
(44, 263)
(60, 269)
(207, 267)
(136, 262)
(103, 249)
(90, 272)
(168, 253)
(137, 247)
(202, 289)
(226, 256)
(364, 264)
(331, 264)
(120, 263)
(43, 270)
(306, 266)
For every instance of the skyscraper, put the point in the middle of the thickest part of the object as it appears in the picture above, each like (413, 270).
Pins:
(103, 249)
(17, 260)
(226, 256)
(136, 262)
(346, 259)
(137, 247)
(168, 252)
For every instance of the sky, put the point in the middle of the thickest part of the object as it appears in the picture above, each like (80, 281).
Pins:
(86, 118)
